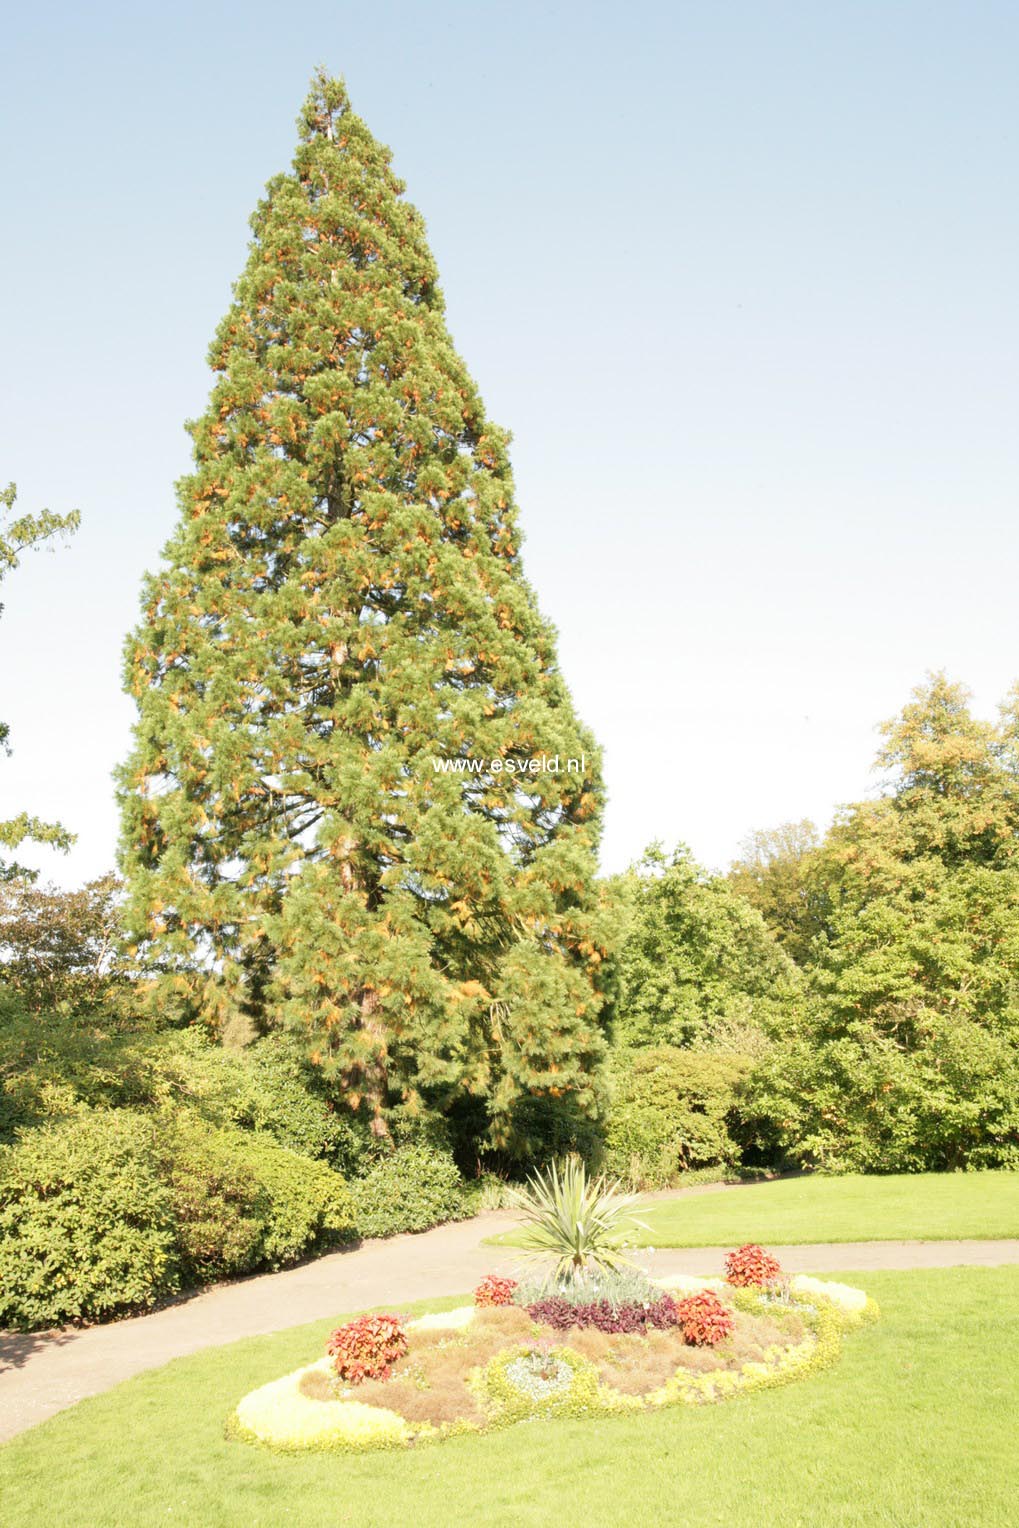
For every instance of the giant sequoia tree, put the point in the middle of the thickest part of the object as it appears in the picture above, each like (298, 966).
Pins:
(343, 609)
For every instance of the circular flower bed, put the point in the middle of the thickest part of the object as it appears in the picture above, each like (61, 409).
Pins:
(387, 1383)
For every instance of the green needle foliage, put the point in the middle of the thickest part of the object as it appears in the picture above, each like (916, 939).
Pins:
(577, 1221)
(342, 608)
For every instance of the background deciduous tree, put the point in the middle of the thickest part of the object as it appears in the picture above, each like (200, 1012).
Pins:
(697, 960)
(773, 873)
(17, 535)
(909, 1055)
(61, 949)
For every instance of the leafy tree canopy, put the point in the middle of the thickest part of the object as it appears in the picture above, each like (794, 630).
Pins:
(17, 535)
(698, 963)
(909, 1055)
(60, 949)
(773, 874)
(922, 884)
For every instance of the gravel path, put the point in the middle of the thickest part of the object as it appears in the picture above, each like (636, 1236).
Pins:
(45, 1372)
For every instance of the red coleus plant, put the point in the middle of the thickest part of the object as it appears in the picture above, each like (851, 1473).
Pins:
(367, 1348)
(703, 1319)
(751, 1266)
(495, 1290)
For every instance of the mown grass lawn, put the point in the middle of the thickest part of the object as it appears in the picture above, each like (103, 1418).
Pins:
(913, 1206)
(914, 1427)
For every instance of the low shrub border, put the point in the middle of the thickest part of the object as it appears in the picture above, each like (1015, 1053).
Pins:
(111, 1211)
(414, 1188)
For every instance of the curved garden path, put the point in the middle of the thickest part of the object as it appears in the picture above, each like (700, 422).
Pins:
(45, 1372)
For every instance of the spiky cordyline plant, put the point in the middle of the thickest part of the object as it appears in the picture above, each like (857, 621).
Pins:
(578, 1221)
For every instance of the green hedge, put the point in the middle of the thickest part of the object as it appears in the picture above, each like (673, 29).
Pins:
(269, 1086)
(215, 1197)
(53, 1065)
(413, 1188)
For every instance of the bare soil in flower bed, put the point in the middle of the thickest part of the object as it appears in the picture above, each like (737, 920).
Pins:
(431, 1383)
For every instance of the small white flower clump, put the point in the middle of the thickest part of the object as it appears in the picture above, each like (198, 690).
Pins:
(690, 1283)
(453, 1320)
(539, 1375)
(843, 1295)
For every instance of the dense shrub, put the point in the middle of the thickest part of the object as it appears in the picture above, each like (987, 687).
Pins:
(86, 1223)
(411, 1189)
(544, 1129)
(865, 1102)
(488, 1191)
(495, 1290)
(367, 1348)
(281, 1092)
(605, 1317)
(219, 1211)
(309, 1206)
(107, 1210)
(242, 1201)
(52, 1064)
(671, 1111)
(268, 1086)
(751, 1267)
(704, 1320)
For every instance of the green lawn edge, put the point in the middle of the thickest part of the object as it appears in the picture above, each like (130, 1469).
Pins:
(912, 1424)
(976, 1206)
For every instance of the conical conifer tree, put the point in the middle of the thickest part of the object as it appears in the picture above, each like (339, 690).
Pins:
(342, 612)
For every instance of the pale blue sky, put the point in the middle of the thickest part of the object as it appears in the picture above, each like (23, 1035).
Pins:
(740, 277)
